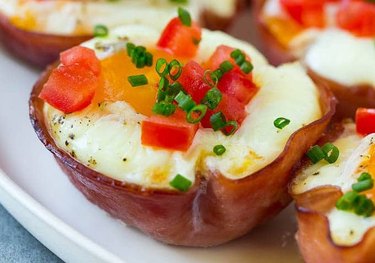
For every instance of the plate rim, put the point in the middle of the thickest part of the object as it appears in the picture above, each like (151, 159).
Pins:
(34, 217)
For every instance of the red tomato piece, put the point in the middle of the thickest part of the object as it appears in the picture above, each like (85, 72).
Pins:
(230, 107)
(357, 17)
(172, 132)
(365, 121)
(180, 40)
(192, 79)
(83, 56)
(70, 88)
(221, 54)
(235, 84)
(309, 13)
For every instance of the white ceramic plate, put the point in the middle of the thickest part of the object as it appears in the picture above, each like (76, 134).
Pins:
(40, 197)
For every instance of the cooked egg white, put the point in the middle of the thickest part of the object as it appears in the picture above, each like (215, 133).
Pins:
(346, 228)
(332, 53)
(106, 137)
(66, 17)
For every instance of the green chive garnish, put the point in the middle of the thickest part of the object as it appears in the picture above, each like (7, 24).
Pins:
(129, 48)
(181, 183)
(184, 16)
(315, 154)
(230, 124)
(346, 202)
(331, 152)
(281, 122)
(246, 67)
(174, 69)
(363, 185)
(364, 176)
(100, 31)
(164, 108)
(137, 80)
(219, 149)
(196, 114)
(184, 101)
(212, 78)
(241, 61)
(226, 66)
(212, 98)
(161, 67)
(139, 55)
(363, 206)
(217, 121)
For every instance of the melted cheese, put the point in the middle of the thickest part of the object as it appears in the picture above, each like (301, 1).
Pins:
(106, 137)
(332, 53)
(346, 228)
(65, 17)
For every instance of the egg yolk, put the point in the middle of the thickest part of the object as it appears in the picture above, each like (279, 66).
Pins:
(284, 30)
(369, 166)
(115, 85)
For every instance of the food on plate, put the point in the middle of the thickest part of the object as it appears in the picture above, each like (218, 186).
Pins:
(333, 39)
(37, 31)
(335, 195)
(188, 134)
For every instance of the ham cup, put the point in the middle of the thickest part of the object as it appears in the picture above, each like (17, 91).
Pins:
(333, 39)
(37, 31)
(335, 195)
(186, 134)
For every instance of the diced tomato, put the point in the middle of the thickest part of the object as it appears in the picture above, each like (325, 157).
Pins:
(70, 88)
(221, 54)
(365, 121)
(357, 17)
(236, 84)
(230, 107)
(192, 79)
(180, 40)
(172, 132)
(309, 13)
(83, 56)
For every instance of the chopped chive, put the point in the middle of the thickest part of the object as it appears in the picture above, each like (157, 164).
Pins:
(234, 128)
(212, 78)
(184, 101)
(174, 69)
(149, 59)
(137, 80)
(226, 66)
(181, 183)
(246, 67)
(161, 67)
(363, 185)
(100, 31)
(331, 152)
(346, 202)
(235, 53)
(163, 84)
(281, 122)
(219, 149)
(129, 48)
(196, 114)
(212, 98)
(164, 108)
(184, 16)
(364, 176)
(140, 57)
(363, 206)
(315, 154)
(217, 121)
(216, 75)
(174, 88)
